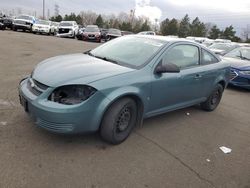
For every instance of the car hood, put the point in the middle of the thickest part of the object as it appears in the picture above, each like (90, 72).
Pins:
(93, 33)
(238, 63)
(65, 27)
(217, 50)
(41, 25)
(75, 69)
(113, 34)
(28, 21)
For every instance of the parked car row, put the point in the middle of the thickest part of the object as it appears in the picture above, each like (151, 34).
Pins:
(69, 29)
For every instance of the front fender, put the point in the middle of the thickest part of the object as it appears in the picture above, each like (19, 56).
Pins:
(129, 91)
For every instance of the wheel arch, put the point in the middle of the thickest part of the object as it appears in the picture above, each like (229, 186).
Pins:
(223, 83)
(139, 103)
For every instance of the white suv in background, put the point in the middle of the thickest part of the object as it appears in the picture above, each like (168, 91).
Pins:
(42, 26)
(67, 29)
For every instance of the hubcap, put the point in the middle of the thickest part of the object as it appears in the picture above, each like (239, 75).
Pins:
(123, 119)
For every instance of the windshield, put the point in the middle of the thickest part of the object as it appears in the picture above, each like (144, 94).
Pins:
(25, 17)
(66, 24)
(223, 46)
(130, 50)
(240, 53)
(114, 31)
(92, 29)
(43, 22)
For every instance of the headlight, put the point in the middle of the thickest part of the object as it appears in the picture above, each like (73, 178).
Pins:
(247, 72)
(71, 94)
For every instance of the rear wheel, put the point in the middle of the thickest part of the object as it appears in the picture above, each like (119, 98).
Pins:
(214, 99)
(118, 121)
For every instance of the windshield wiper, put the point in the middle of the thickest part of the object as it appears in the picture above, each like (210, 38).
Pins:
(108, 59)
(99, 57)
(88, 53)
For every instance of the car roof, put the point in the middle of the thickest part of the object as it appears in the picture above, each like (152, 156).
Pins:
(244, 47)
(92, 25)
(164, 38)
(67, 21)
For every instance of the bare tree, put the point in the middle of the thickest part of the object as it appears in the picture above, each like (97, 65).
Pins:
(19, 11)
(88, 17)
(246, 32)
(123, 17)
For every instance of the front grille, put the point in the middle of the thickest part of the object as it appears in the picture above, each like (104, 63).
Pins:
(233, 74)
(36, 87)
(7, 21)
(91, 35)
(55, 127)
(63, 30)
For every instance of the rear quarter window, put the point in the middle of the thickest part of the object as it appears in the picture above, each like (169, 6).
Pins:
(207, 58)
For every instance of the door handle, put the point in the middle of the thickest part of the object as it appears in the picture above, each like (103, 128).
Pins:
(197, 76)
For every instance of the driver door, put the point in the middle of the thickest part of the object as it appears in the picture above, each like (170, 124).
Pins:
(175, 90)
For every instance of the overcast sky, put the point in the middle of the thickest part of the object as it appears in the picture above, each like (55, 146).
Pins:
(220, 12)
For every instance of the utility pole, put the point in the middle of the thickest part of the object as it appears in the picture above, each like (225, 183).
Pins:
(43, 9)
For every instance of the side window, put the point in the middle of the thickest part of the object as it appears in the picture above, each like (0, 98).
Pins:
(183, 56)
(234, 54)
(207, 58)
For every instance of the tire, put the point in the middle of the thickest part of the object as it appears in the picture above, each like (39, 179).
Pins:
(214, 99)
(118, 121)
(14, 28)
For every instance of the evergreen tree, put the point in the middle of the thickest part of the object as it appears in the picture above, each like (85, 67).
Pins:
(125, 26)
(145, 26)
(164, 26)
(99, 21)
(229, 33)
(198, 28)
(172, 28)
(184, 28)
(56, 18)
(215, 32)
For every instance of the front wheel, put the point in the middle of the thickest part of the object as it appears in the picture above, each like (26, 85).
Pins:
(118, 121)
(214, 99)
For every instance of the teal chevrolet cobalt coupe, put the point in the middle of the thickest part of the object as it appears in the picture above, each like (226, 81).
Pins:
(113, 87)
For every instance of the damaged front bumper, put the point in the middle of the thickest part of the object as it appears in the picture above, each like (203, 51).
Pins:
(70, 35)
(60, 118)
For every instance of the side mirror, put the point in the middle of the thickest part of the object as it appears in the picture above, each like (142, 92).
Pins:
(166, 68)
